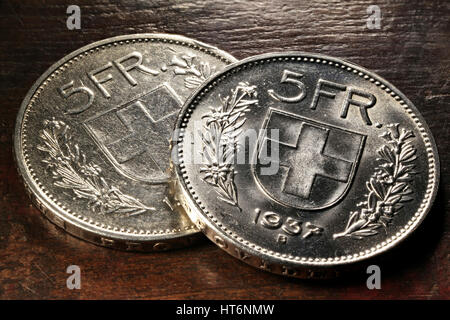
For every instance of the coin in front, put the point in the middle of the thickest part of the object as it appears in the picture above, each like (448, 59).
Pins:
(294, 160)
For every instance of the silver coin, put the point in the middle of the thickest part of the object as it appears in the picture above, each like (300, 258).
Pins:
(92, 138)
(290, 161)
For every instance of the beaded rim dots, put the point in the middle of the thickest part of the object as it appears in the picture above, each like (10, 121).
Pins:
(63, 65)
(410, 225)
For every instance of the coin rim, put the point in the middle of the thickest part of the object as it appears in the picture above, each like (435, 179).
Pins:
(79, 225)
(231, 242)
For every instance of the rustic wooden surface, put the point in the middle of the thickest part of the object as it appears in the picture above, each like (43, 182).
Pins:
(411, 50)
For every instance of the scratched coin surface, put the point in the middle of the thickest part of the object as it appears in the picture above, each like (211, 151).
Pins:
(291, 161)
(92, 138)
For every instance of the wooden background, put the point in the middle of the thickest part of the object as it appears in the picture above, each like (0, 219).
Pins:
(411, 50)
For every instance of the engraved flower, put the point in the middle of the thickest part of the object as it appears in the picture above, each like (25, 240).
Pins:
(248, 89)
(54, 124)
(176, 61)
(387, 135)
(394, 129)
(90, 169)
(385, 176)
(386, 208)
(221, 118)
(185, 65)
(388, 179)
(102, 196)
(216, 171)
(188, 58)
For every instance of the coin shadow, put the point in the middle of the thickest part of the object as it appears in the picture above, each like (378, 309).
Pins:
(411, 256)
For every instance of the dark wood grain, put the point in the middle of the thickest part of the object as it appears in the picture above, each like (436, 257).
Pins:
(410, 50)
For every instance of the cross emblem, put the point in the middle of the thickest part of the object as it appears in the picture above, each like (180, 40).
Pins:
(308, 160)
(135, 136)
(312, 164)
(143, 131)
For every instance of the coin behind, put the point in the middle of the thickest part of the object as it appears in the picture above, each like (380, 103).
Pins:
(92, 138)
(290, 161)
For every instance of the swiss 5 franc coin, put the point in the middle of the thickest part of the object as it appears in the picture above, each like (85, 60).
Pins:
(92, 138)
(291, 161)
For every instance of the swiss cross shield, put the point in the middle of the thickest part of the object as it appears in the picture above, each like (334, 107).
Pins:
(315, 162)
(135, 136)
